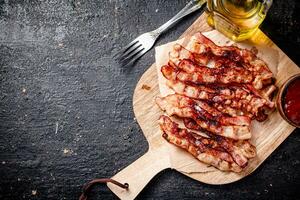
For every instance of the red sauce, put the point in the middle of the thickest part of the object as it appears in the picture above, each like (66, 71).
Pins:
(292, 101)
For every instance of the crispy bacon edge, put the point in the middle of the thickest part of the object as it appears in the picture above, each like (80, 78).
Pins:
(248, 59)
(240, 150)
(234, 102)
(185, 107)
(186, 140)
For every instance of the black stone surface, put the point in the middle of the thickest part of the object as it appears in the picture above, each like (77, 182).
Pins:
(66, 109)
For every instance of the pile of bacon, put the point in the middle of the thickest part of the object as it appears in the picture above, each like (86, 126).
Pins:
(218, 91)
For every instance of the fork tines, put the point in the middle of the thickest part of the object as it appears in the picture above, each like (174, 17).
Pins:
(130, 53)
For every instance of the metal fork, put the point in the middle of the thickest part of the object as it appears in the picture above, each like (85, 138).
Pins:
(139, 46)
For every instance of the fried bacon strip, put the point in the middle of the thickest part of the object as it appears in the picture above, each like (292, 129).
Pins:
(206, 111)
(240, 150)
(264, 94)
(172, 73)
(247, 58)
(197, 74)
(216, 75)
(206, 117)
(199, 147)
(202, 57)
(232, 100)
(204, 52)
(179, 53)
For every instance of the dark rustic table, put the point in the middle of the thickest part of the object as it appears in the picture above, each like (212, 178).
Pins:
(66, 108)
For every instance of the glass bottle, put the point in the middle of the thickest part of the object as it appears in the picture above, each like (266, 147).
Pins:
(237, 19)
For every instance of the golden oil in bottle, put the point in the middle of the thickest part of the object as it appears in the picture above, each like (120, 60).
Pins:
(237, 19)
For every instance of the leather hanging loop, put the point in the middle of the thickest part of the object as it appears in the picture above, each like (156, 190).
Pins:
(88, 186)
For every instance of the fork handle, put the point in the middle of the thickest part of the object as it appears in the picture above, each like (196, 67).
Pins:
(191, 7)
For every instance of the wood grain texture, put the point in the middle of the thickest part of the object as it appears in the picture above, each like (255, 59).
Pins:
(267, 138)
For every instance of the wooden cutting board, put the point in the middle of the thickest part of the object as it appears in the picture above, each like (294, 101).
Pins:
(162, 155)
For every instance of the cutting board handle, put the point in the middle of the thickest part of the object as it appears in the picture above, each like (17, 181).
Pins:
(140, 172)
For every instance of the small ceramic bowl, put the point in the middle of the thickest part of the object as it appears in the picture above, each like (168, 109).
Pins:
(280, 99)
